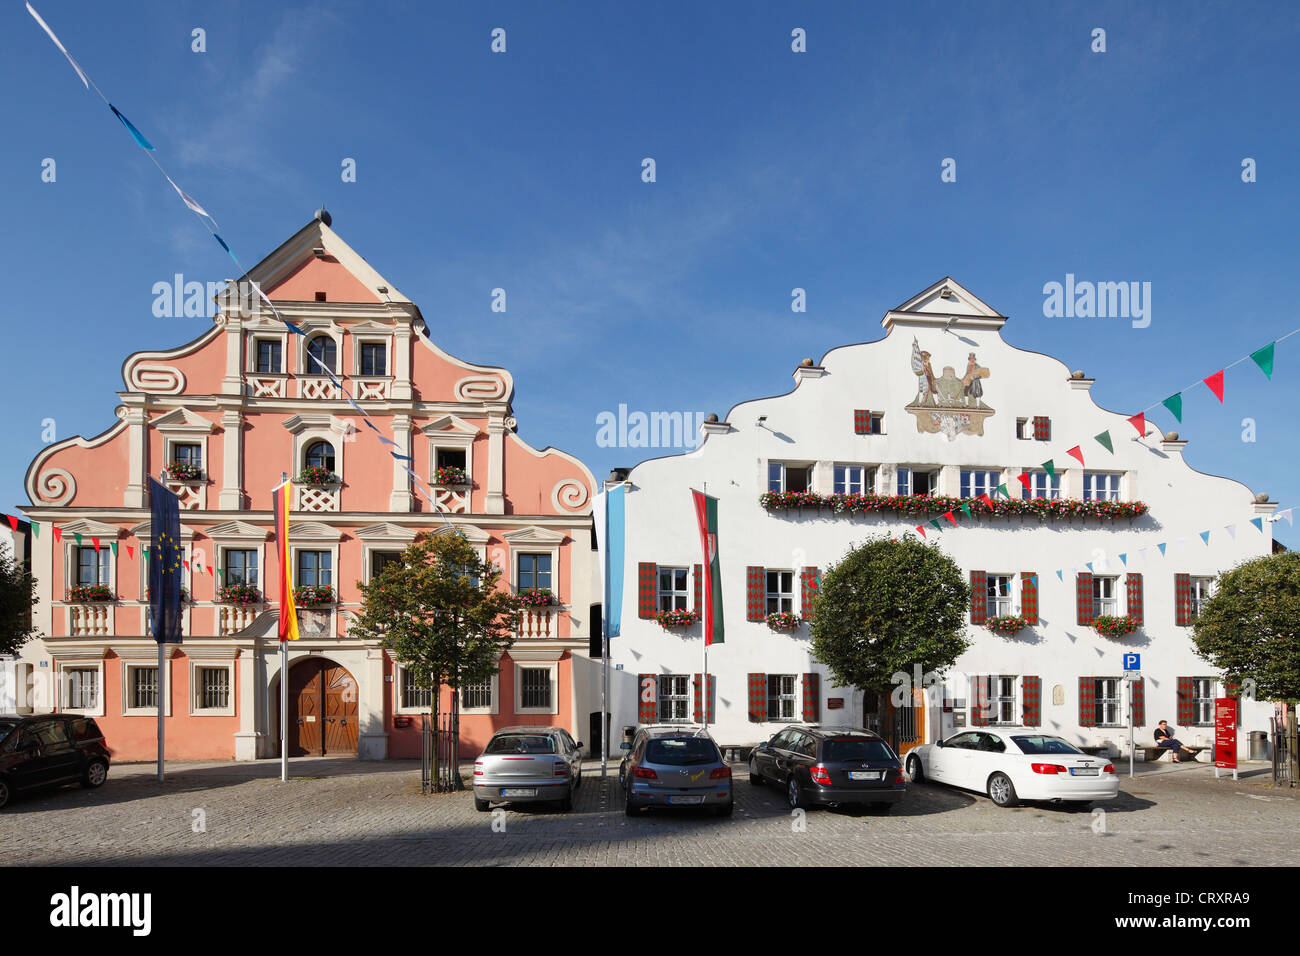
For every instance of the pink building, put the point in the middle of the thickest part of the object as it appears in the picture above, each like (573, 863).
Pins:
(240, 405)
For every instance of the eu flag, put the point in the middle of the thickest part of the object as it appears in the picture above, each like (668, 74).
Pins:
(165, 556)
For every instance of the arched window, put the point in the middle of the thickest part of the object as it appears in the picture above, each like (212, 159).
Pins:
(324, 351)
(320, 454)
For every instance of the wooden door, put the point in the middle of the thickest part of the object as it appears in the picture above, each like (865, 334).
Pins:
(305, 708)
(339, 710)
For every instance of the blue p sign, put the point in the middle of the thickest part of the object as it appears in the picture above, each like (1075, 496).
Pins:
(1132, 662)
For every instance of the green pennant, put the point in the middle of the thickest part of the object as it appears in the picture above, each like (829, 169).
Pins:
(1104, 440)
(78, 537)
(1050, 469)
(966, 508)
(36, 529)
(113, 545)
(1175, 404)
(935, 522)
(145, 552)
(1002, 490)
(1264, 359)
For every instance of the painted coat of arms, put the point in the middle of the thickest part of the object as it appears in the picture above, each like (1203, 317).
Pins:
(946, 404)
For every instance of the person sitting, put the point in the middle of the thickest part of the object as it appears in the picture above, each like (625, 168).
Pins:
(1165, 738)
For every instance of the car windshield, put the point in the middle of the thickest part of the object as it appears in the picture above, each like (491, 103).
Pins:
(521, 744)
(855, 748)
(1043, 744)
(681, 752)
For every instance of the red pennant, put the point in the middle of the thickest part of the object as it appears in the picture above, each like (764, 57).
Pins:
(130, 551)
(209, 570)
(1139, 421)
(187, 565)
(1215, 382)
(1024, 479)
(13, 521)
(986, 499)
(58, 534)
(948, 515)
(95, 542)
(1077, 452)
(920, 529)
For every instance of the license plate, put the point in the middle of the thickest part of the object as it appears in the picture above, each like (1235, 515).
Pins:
(1083, 771)
(685, 799)
(866, 774)
(519, 792)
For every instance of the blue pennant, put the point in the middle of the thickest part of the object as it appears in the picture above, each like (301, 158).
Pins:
(1258, 523)
(1205, 536)
(401, 457)
(297, 331)
(1058, 575)
(371, 426)
(1162, 549)
(135, 133)
(1123, 559)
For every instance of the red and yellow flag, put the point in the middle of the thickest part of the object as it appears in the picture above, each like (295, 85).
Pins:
(288, 612)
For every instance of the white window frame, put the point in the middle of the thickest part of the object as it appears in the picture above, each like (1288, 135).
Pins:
(861, 483)
(673, 594)
(256, 335)
(1025, 429)
(1041, 487)
(305, 365)
(399, 706)
(196, 687)
(1120, 718)
(781, 697)
(1201, 588)
(555, 687)
(1100, 603)
(1210, 685)
(97, 665)
(1004, 695)
(450, 433)
(296, 549)
(783, 475)
(779, 596)
(370, 338)
(1113, 482)
(999, 605)
(673, 697)
(988, 483)
(129, 667)
(906, 478)
(535, 540)
(319, 426)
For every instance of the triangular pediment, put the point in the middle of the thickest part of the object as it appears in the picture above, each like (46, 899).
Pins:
(474, 535)
(533, 535)
(144, 530)
(237, 529)
(947, 303)
(449, 424)
(316, 259)
(315, 531)
(86, 526)
(183, 420)
(386, 531)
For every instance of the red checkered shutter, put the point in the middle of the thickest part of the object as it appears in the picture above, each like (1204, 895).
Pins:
(1182, 603)
(979, 597)
(647, 589)
(705, 699)
(979, 712)
(1134, 588)
(755, 593)
(861, 422)
(699, 588)
(1031, 690)
(1087, 702)
(810, 582)
(812, 698)
(1029, 598)
(1083, 602)
(757, 698)
(1042, 428)
(647, 710)
(712, 699)
(1186, 706)
(1138, 690)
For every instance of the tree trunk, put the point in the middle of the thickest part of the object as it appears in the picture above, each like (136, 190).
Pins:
(456, 782)
(433, 720)
(1292, 756)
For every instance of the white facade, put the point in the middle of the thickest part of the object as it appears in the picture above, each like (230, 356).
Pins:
(813, 426)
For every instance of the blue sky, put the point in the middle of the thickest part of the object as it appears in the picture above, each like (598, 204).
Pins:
(775, 170)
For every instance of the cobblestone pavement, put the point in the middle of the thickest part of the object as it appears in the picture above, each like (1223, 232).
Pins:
(349, 812)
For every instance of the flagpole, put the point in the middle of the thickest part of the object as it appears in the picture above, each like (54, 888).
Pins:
(162, 687)
(704, 650)
(284, 710)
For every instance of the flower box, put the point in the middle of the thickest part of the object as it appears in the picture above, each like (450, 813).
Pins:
(89, 594)
(783, 621)
(536, 597)
(183, 471)
(311, 595)
(677, 618)
(1113, 626)
(450, 475)
(239, 594)
(316, 475)
(912, 505)
(1006, 624)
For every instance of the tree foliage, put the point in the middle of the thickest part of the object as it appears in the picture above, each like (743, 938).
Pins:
(17, 598)
(886, 607)
(1250, 628)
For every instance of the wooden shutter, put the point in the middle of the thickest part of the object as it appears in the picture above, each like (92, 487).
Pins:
(1182, 603)
(755, 593)
(1083, 602)
(757, 698)
(1138, 689)
(699, 588)
(1087, 702)
(812, 698)
(861, 422)
(647, 589)
(979, 710)
(647, 710)
(1042, 428)
(810, 582)
(706, 699)
(979, 597)
(1186, 705)
(1134, 587)
(1029, 597)
(1031, 690)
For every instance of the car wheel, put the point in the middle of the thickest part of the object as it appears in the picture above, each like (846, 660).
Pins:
(1002, 791)
(914, 768)
(4, 793)
(95, 775)
(566, 802)
(630, 808)
(755, 777)
(726, 811)
(792, 794)
(482, 806)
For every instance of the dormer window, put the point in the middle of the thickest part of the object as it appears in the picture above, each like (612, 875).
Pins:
(321, 351)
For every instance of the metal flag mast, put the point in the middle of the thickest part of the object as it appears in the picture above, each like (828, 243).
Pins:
(284, 659)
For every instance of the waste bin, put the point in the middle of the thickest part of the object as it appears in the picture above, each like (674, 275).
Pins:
(1258, 745)
(629, 731)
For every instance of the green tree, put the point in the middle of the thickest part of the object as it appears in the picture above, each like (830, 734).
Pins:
(440, 612)
(888, 607)
(17, 598)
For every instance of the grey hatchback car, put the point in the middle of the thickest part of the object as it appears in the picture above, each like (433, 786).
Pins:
(528, 765)
(675, 767)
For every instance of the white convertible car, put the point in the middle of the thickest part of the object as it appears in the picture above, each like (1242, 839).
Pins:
(1011, 764)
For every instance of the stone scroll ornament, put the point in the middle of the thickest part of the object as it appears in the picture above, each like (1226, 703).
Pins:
(569, 494)
(948, 404)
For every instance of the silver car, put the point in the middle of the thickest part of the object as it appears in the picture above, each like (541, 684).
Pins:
(528, 765)
(676, 767)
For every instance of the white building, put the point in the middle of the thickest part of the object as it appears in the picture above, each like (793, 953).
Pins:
(979, 413)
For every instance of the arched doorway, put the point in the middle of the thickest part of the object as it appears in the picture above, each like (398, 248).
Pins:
(322, 709)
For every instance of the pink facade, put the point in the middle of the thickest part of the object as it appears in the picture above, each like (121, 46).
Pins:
(244, 404)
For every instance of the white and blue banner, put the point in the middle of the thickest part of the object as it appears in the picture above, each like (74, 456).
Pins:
(611, 540)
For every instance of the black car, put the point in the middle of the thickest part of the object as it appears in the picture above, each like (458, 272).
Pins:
(49, 750)
(830, 766)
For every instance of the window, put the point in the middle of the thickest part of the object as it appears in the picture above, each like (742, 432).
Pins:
(1103, 595)
(781, 697)
(324, 352)
(877, 423)
(241, 567)
(1203, 701)
(783, 477)
(319, 454)
(674, 697)
(450, 458)
(672, 589)
(534, 571)
(1002, 699)
(382, 559)
(81, 688)
(187, 454)
(976, 483)
(1100, 487)
(268, 355)
(413, 694)
(1041, 486)
(1108, 705)
(1024, 430)
(854, 479)
(535, 687)
(314, 569)
(211, 688)
(999, 595)
(912, 482)
(780, 592)
(373, 359)
(476, 695)
(144, 687)
(93, 565)
(1202, 590)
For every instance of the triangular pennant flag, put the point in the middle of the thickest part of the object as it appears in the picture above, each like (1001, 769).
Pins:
(58, 533)
(388, 441)
(220, 574)
(36, 529)
(1104, 440)
(986, 499)
(401, 457)
(297, 331)
(130, 551)
(1290, 519)
(1142, 552)
(145, 552)
(1175, 404)
(1089, 565)
(948, 515)
(966, 508)
(1139, 421)
(1258, 522)
(920, 529)
(189, 200)
(935, 522)
(1123, 559)
(62, 49)
(113, 545)
(209, 570)
(1205, 536)
(13, 521)
(223, 244)
(187, 565)
(78, 537)
(1162, 549)
(371, 426)
(1077, 452)
(1264, 359)
(1023, 478)
(95, 542)
(1232, 531)
(1058, 575)
(135, 133)
(1002, 490)
(1215, 383)
(1050, 468)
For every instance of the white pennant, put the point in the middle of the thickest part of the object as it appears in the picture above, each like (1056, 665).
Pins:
(1232, 531)
(62, 49)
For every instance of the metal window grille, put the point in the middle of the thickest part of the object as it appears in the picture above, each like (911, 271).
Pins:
(414, 695)
(999, 595)
(1203, 701)
(1108, 702)
(83, 688)
(674, 697)
(476, 695)
(780, 592)
(672, 589)
(144, 687)
(1103, 596)
(781, 700)
(535, 687)
(214, 688)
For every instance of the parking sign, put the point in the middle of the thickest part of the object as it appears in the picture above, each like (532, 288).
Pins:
(1132, 662)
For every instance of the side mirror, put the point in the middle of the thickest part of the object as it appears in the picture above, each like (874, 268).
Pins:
(30, 747)
(578, 745)
(938, 742)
